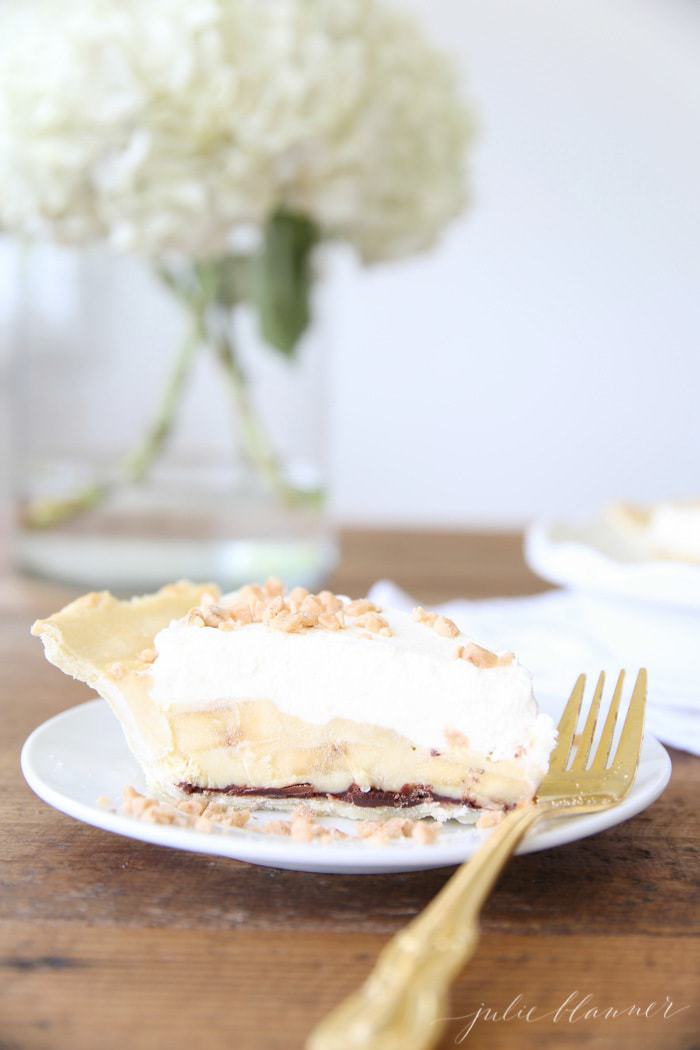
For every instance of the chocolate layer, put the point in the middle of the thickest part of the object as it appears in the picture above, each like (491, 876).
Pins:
(409, 794)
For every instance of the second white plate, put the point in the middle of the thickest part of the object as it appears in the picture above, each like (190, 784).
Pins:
(591, 557)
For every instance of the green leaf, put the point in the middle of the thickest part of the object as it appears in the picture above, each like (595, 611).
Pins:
(282, 279)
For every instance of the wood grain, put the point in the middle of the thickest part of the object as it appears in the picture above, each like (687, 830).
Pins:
(110, 943)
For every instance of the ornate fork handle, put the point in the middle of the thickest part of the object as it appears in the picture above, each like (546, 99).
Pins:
(403, 1004)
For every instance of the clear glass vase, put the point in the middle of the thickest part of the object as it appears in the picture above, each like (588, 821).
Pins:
(155, 436)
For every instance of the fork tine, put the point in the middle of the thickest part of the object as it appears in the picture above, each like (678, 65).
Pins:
(584, 744)
(627, 753)
(567, 726)
(600, 759)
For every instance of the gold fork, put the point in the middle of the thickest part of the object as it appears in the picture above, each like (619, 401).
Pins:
(403, 1003)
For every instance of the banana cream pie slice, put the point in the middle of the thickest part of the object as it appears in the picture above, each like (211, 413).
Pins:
(263, 698)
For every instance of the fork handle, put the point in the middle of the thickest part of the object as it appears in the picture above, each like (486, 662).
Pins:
(403, 1003)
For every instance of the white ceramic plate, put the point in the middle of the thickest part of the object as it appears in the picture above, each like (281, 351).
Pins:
(81, 754)
(592, 557)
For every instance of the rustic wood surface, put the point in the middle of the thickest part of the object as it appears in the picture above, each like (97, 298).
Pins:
(113, 944)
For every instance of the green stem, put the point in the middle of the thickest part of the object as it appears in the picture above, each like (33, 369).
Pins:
(255, 440)
(134, 467)
(43, 513)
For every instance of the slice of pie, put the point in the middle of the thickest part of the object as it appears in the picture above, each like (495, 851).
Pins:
(669, 530)
(263, 698)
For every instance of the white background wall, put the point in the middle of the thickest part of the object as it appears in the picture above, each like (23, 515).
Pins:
(546, 356)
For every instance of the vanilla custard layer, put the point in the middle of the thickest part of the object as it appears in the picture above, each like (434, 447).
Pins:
(253, 744)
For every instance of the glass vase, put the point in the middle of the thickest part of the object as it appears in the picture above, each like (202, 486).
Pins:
(155, 436)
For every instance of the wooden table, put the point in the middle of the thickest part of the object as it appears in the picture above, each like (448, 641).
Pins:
(109, 944)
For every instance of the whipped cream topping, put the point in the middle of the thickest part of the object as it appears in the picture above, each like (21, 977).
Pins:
(410, 682)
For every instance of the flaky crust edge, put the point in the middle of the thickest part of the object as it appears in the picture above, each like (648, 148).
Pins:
(97, 639)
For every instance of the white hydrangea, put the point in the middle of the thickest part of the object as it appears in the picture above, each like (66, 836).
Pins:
(170, 125)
